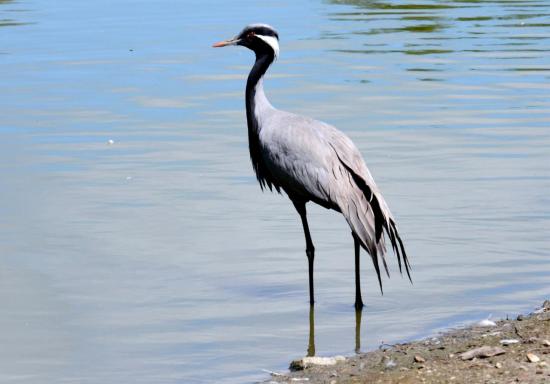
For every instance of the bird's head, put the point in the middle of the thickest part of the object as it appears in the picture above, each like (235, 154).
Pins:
(261, 38)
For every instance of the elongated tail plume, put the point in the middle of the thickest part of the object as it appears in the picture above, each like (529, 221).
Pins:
(369, 217)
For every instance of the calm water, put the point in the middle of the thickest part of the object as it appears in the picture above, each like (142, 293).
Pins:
(156, 259)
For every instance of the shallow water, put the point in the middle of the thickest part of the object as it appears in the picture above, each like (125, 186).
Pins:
(156, 259)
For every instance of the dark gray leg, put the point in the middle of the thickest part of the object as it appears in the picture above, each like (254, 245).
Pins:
(358, 300)
(310, 249)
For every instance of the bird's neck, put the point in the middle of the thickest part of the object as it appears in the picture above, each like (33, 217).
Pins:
(257, 106)
(256, 101)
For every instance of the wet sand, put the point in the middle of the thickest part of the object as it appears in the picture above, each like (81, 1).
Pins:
(506, 351)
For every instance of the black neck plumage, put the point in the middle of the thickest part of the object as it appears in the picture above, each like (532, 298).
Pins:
(263, 61)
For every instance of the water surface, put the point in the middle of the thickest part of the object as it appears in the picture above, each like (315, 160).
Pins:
(156, 259)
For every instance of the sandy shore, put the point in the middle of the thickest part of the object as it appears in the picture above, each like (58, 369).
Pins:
(505, 351)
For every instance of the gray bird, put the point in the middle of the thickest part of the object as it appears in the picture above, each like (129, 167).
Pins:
(313, 161)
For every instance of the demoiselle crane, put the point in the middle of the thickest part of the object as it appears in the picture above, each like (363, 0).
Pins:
(313, 161)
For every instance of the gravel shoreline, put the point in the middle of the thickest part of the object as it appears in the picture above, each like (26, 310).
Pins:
(505, 351)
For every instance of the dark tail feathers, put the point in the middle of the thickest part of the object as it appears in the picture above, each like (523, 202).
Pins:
(381, 223)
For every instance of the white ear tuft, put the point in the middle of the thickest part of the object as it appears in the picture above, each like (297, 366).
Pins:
(273, 43)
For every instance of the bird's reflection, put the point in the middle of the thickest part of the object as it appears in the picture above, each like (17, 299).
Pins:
(358, 315)
(311, 338)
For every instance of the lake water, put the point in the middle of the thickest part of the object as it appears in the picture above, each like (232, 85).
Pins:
(156, 259)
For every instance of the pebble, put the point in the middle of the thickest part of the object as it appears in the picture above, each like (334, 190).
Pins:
(509, 341)
(498, 365)
(485, 351)
(419, 359)
(546, 343)
(533, 358)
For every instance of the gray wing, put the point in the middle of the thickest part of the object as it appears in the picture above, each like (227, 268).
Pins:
(315, 161)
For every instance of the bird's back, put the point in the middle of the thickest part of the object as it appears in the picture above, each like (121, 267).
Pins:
(305, 156)
(314, 161)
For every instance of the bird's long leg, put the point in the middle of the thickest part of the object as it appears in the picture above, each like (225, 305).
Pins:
(358, 300)
(310, 249)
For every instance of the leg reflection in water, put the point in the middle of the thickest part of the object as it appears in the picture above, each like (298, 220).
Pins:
(358, 314)
(311, 339)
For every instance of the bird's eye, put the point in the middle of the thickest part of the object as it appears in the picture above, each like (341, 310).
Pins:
(250, 35)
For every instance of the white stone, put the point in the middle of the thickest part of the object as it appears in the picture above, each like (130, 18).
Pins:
(533, 358)
(486, 323)
(316, 360)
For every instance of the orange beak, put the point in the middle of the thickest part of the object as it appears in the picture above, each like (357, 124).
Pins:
(225, 43)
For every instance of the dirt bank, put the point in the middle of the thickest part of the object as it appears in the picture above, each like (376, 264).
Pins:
(507, 351)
